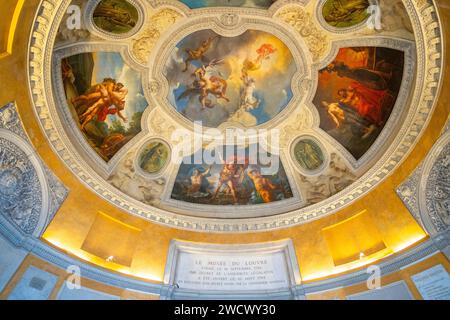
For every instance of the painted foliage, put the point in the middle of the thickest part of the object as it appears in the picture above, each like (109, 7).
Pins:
(356, 94)
(345, 13)
(244, 79)
(195, 4)
(106, 99)
(233, 182)
(115, 16)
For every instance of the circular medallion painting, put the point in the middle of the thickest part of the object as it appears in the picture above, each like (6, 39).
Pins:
(308, 155)
(115, 16)
(154, 157)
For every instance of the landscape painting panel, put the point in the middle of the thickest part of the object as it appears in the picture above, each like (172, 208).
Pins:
(106, 99)
(357, 93)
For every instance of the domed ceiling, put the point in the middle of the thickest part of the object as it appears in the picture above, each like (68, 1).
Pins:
(233, 115)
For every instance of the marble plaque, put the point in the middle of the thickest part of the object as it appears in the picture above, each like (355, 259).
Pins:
(230, 268)
(433, 284)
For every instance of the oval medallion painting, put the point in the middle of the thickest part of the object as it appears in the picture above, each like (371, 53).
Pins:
(308, 155)
(345, 13)
(154, 157)
(105, 98)
(244, 79)
(115, 16)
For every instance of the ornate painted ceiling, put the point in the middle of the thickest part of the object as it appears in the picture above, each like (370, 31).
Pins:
(332, 102)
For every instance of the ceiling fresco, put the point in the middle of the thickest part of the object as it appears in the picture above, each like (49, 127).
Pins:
(320, 89)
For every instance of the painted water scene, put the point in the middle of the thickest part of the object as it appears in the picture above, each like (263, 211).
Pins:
(357, 93)
(232, 181)
(106, 99)
(244, 79)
